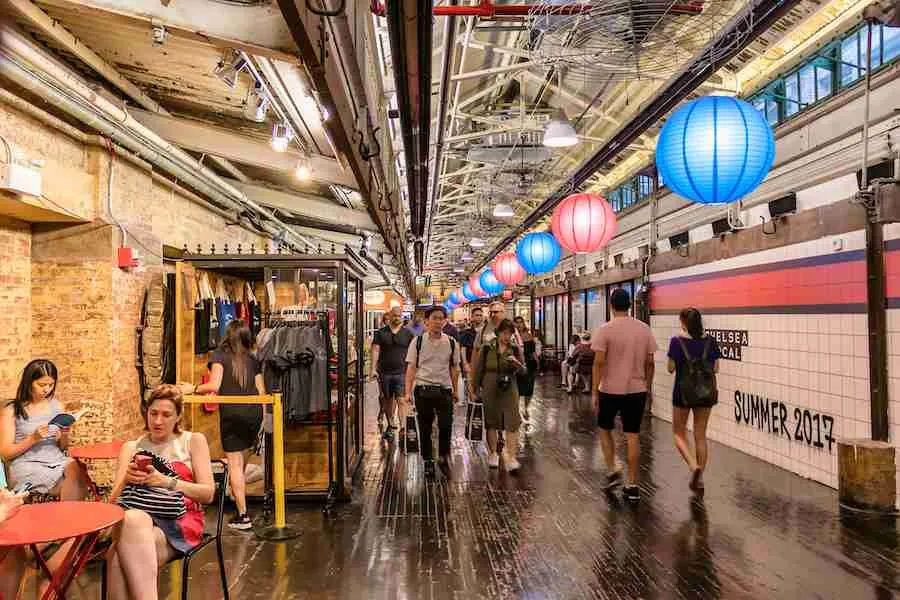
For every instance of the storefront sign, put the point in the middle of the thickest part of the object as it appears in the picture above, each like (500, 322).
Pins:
(774, 417)
(730, 342)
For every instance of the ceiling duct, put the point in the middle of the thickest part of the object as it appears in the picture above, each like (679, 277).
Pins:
(498, 154)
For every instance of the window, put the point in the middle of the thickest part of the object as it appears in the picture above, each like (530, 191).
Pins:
(579, 306)
(807, 85)
(890, 43)
(596, 308)
(850, 60)
(791, 95)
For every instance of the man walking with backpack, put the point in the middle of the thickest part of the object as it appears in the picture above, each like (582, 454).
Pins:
(432, 373)
(623, 370)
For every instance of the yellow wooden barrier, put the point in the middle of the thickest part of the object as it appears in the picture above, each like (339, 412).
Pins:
(280, 531)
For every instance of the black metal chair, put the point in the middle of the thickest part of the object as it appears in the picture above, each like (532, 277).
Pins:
(221, 478)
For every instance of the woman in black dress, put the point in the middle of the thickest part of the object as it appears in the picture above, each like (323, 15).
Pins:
(525, 381)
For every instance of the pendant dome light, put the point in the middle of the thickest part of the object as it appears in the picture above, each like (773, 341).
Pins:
(538, 252)
(559, 133)
(583, 223)
(507, 269)
(476, 242)
(715, 150)
(489, 283)
(503, 211)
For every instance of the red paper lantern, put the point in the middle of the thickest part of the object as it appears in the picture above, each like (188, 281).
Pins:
(583, 223)
(462, 297)
(475, 284)
(507, 269)
(507, 295)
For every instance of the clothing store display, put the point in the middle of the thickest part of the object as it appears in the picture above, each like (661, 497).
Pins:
(202, 326)
(296, 357)
(226, 314)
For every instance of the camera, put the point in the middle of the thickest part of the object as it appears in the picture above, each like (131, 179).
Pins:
(503, 381)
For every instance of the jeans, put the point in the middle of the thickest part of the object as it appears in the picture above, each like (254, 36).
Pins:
(431, 401)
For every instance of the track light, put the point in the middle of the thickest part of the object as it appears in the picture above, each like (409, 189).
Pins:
(229, 66)
(256, 106)
(302, 170)
(476, 242)
(503, 211)
(559, 133)
(281, 136)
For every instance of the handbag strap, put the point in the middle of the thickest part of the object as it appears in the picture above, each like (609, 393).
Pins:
(687, 355)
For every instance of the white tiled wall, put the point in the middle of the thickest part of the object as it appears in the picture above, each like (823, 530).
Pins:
(815, 362)
(893, 344)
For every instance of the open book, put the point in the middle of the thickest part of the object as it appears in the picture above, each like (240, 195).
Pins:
(67, 419)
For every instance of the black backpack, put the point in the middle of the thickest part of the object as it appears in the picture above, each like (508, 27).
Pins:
(698, 384)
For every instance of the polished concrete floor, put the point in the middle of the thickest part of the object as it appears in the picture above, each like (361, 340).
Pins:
(551, 532)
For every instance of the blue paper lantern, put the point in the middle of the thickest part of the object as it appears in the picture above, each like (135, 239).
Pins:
(715, 150)
(454, 298)
(538, 252)
(468, 293)
(489, 283)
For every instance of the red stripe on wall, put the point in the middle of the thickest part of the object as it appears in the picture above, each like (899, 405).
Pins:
(839, 283)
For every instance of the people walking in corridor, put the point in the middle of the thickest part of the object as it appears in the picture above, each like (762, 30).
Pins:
(622, 383)
(432, 373)
(496, 315)
(498, 364)
(694, 358)
(531, 352)
(389, 348)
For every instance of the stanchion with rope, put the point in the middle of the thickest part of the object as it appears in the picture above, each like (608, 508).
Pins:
(279, 530)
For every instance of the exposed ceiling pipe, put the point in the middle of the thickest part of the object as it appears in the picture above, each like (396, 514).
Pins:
(488, 10)
(397, 19)
(446, 65)
(741, 31)
(58, 86)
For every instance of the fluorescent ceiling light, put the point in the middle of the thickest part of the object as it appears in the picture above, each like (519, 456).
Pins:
(559, 133)
(476, 242)
(281, 136)
(504, 211)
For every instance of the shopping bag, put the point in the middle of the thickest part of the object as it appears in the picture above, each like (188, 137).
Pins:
(475, 421)
(411, 435)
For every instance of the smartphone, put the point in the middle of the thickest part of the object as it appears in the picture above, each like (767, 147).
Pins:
(142, 461)
(22, 488)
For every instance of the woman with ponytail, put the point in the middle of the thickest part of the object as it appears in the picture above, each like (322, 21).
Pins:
(699, 353)
(234, 371)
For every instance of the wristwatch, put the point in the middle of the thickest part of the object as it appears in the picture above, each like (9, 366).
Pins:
(172, 483)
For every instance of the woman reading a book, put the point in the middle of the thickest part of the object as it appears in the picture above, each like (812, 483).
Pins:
(34, 432)
(163, 479)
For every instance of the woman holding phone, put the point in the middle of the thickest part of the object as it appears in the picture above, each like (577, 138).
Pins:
(162, 480)
(30, 445)
(497, 365)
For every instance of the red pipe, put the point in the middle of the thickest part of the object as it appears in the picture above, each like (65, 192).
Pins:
(488, 10)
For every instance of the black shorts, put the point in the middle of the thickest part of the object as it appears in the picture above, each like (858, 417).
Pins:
(630, 406)
(239, 426)
(391, 384)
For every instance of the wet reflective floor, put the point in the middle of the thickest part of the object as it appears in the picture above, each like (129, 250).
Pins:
(551, 532)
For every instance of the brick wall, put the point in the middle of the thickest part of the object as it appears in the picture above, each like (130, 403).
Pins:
(15, 302)
(61, 295)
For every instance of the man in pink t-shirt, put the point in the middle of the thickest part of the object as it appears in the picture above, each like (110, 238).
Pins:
(623, 375)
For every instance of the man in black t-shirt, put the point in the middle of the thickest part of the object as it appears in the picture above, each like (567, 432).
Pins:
(389, 348)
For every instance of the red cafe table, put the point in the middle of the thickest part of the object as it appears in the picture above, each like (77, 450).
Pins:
(102, 451)
(35, 524)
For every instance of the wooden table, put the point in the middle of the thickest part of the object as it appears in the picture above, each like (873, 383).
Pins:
(34, 524)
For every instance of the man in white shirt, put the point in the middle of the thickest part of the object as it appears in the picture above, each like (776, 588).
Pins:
(432, 373)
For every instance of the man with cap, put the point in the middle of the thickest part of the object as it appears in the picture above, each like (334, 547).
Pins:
(432, 375)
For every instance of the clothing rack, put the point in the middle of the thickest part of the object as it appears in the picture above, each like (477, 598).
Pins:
(292, 317)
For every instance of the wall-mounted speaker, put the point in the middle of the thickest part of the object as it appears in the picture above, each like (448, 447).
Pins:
(679, 239)
(786, 205)
(721, 227)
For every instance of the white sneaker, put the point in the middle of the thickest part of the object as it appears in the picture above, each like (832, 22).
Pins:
(494, 461)
(512, 465)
